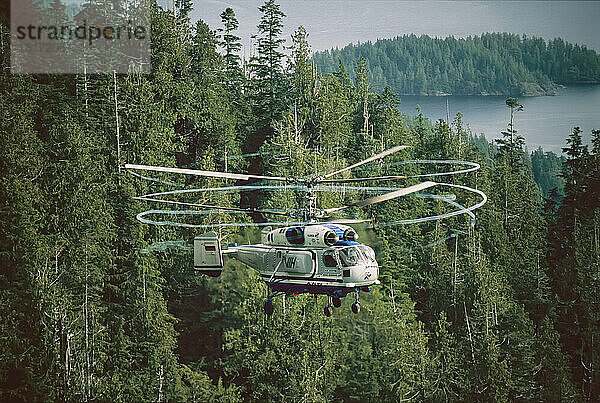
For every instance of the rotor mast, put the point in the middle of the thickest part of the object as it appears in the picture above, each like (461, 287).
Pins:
(310, 211)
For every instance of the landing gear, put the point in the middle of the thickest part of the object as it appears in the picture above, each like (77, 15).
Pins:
(356, 305)
(328, 310)
(269, 302)
(337, 302)
(269, 307)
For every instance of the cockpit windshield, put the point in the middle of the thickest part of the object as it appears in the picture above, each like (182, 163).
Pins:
(368, 252)
(349, 256)
(352, 256)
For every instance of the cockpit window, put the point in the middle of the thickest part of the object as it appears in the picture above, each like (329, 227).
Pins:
(349, 256)
(329, 259)
(352, 256)
(368, 252)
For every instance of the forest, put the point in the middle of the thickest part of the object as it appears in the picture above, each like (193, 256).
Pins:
(490, 64)
(97, 306)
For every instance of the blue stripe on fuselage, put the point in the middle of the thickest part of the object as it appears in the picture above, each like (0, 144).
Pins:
(346, 243)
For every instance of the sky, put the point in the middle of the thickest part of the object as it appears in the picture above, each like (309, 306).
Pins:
(335, 23)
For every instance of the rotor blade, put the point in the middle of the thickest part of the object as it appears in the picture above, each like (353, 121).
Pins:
(373, 158)
(213, 174)
(275, 224)
(384, 197)
(333, 220)
(373, 178)
(282, 213)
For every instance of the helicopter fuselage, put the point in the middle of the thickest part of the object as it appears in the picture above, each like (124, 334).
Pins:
(335, 270)
(316, 259)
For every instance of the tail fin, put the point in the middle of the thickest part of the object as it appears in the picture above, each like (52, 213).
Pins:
(208, 257)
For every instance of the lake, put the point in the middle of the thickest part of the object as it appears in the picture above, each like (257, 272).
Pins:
(544, 122)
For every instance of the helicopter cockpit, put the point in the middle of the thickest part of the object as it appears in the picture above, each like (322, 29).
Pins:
(348, 256)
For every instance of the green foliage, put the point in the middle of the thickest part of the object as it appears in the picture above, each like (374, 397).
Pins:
(573, 258)
(269, 86)
(503, 307)
(547, 169)
(231, 43)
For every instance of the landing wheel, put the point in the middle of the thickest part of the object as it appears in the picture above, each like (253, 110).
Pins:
(328, 311)
(269, 307)
(356, 304)
(337, 302)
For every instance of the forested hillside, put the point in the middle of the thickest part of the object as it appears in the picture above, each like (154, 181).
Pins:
(97, 306)
(490, 64)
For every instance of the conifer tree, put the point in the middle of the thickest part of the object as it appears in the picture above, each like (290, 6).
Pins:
(304, 86)
(267, 65)
(230, 42)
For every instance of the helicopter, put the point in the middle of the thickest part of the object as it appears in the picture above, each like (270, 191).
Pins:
(319, 254)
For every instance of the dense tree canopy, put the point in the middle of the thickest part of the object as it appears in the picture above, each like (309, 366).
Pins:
(504, 64)
(97, 306)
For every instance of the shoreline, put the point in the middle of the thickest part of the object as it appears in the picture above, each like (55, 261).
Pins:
(546, 121)
(539, 92)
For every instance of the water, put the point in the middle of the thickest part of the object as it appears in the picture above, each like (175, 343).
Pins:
(545, 121)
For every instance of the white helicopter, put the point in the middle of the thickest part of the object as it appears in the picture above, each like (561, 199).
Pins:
(317, 255)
